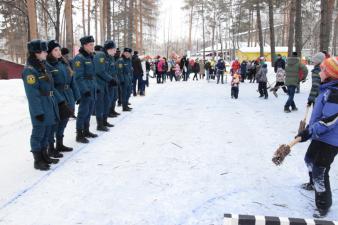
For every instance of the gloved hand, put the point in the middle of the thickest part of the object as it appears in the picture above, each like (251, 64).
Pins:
(78, 102)
(112, 82)
(87, 94)
(64, 111)
(310, 102)
(40, 118)
(305, 134)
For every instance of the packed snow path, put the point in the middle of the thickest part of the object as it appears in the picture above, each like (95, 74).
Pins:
(187, 154)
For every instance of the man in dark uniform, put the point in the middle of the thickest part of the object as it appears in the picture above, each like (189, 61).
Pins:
(85, 78)
(117, 56)
(110, 52)
(104, 81)
(125, 71)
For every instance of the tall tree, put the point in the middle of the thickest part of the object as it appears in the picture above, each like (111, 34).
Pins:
(299, 28)
(33, 29)
(272, 32)
(291, 26)
(326, 12)
(259, 28)
(69, 25)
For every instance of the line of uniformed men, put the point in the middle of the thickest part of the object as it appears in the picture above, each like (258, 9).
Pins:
(94, 80)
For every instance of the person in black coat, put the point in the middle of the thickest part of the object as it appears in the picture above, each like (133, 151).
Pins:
(196, 69)
(137, 73)
(280, 63)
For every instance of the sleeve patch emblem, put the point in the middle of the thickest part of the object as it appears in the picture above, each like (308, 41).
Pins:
(77, 64)
(101, 60)
(31, 79)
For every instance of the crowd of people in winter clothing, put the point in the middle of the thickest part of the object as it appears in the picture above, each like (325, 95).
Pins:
(99, 79)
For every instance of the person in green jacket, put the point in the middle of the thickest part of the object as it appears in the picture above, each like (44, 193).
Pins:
(295, 73)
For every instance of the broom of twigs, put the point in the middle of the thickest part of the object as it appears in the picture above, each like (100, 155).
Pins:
(283, 151)
(302, 123)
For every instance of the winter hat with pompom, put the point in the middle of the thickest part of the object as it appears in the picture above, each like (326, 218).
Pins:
(330, 67)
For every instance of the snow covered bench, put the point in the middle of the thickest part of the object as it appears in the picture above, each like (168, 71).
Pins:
(233, 219)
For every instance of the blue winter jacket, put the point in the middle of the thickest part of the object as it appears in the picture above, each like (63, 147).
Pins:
(43, 99)
(323, 124)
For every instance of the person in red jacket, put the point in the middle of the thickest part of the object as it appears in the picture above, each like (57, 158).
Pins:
(235, 66)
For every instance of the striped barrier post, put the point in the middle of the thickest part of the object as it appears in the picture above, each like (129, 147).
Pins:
(234, 219)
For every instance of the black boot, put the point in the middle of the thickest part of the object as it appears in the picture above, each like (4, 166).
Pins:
(46, 157)
(80, 137)
(100, 126)
(39, 163)
(89, 134)
(60, 147)
(308, 186)
(53, 152)
(114, 112)
(287, 109)
(106, 123)
(126, 109)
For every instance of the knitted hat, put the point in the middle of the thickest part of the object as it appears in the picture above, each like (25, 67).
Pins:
(64, 51)
(318, 58)
(86, 39)
(36, 46)
(330, 67)
(52, 44)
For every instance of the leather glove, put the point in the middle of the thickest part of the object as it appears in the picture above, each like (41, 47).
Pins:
(64, 111)
(305, 135)
(87, 94)
(40, 118)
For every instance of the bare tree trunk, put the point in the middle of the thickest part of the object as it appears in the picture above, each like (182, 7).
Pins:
(298, 28)
(203, 30)
(57, 23)
(83, 17)
(136, 17)
(291, 27)
(250, 24)
(272, 33)
(326, 12)
(33, 29)
(190, 28)
(125, 23)
(88, 12)
(259, 27)
(102, 20)
(335, 33)
(108, 20)
(96, 18)
(113, 20)
(131, 23)
(141, 26)
(45, 18)
(69, 25)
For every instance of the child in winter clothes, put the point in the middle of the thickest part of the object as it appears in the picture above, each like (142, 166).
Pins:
(235, 85)
(262, 81)
(280, 81)
(323, 130)
(317, 59)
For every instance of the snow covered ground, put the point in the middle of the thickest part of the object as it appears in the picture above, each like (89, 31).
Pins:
(187, 154)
